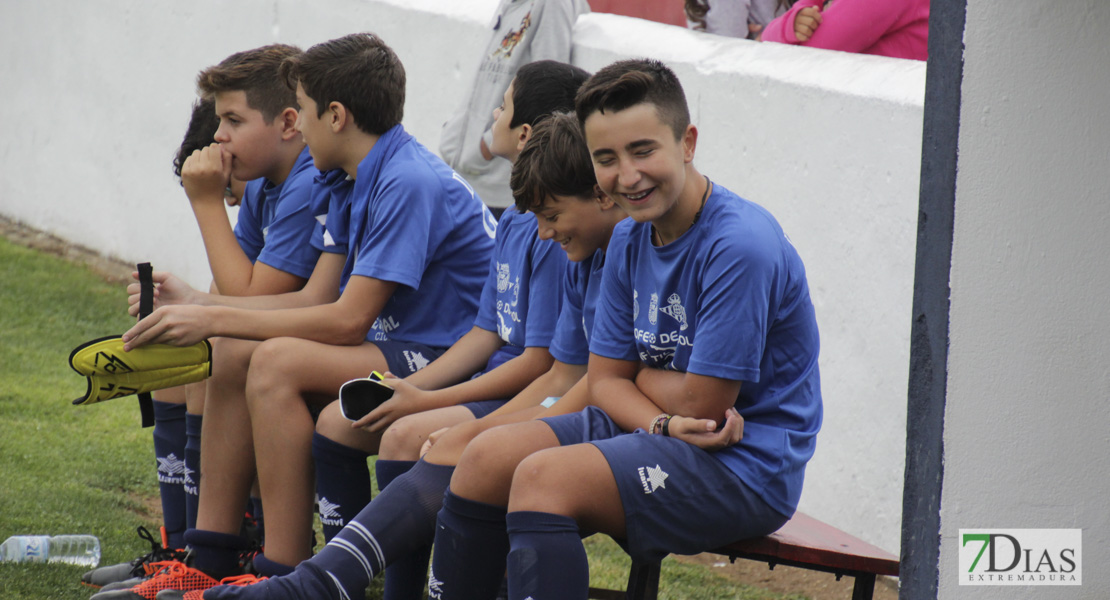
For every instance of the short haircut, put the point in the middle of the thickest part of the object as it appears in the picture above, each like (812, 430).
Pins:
(358, 71)
(627, 83)
(200, 133)
(254, 72)
(543, 87)
(554, 161)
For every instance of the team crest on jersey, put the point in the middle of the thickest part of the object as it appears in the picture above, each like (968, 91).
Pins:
(653, 309)
(675, 310)
(503, 282)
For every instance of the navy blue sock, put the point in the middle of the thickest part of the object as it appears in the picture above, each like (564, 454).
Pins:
(217, 554)
(169, 450)
(469, 551)
(406, 576)
(269, 568)
(397, 523)
(342, 483)
(546, 557)
(388, 470)
(192, 467)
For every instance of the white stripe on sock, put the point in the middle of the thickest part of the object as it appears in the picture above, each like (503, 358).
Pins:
(366, 535)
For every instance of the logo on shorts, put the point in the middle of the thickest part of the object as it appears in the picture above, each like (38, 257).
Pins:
(652, 478)
(329, 513)
(435, 586)
(171, 469)
(675, 310)
(416, 360)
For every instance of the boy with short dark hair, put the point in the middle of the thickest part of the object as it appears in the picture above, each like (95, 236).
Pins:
(704, 316)
(554, 178)
(405, 250)
(241, 130)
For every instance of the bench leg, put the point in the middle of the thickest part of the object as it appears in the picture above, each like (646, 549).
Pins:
(643, 581)
(864, 587)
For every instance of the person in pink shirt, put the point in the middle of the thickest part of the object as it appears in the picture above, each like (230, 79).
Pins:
(897, 28)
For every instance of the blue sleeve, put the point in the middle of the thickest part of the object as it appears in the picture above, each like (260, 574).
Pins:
(569, 344)
(614, 329)
(248, 227)
(487, 304)
(545, 293)
(289, 236)
(406, 223)
(329, 207)
(734, 307)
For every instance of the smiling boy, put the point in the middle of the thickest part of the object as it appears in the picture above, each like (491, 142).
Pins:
(705, 345)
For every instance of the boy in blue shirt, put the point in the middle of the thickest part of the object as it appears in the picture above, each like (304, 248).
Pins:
(552, 177)
(396, 284)
(704, 316)
(241, 130)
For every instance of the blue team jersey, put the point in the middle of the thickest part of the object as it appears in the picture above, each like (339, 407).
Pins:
(523, 290)
(727, 299)
(408, 218)
(581, 287)
(276, 220)
(331, 206)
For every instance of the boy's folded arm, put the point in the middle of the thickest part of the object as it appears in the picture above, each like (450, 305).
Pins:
(688, 394)
(464, 358)
(612, 387)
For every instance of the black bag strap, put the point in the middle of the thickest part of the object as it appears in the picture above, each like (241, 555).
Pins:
(146, 306)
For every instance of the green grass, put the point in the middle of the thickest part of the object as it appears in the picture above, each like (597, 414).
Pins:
(90, 469)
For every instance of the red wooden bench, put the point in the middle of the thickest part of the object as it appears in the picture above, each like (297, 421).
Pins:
(804, 542)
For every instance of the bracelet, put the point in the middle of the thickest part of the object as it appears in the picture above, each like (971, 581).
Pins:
(658, 423)
(666, 428)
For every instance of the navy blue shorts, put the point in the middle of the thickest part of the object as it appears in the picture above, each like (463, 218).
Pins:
(482, 408)
(406, 358)
(677, 498)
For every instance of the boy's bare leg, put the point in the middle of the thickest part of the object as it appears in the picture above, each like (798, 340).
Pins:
(574, 481)
(406, 436)
(227, 449)
(485, 470)
(448, 449)
(285, 375)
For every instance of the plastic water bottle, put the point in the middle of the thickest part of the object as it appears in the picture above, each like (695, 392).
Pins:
(81, 550)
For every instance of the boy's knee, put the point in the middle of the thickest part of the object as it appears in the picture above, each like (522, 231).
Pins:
(231, 357)
(272, 364)
(403, 437)
(332, 424)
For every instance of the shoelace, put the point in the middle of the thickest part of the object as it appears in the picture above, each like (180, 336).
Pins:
(242, 580)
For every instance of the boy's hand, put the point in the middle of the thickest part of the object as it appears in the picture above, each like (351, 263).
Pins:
(173, 325)
(407, 399)
(704, 434)
(206, 174)
(433, 437)
(168, 289)
(806, 23)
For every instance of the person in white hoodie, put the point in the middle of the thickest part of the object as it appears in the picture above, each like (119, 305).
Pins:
(522, 31)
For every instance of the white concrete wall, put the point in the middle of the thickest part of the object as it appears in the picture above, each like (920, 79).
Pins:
(98, 93)
(1025, 440)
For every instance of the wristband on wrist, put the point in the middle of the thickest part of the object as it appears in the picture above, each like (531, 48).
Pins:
(657, 423)
(665, 429)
